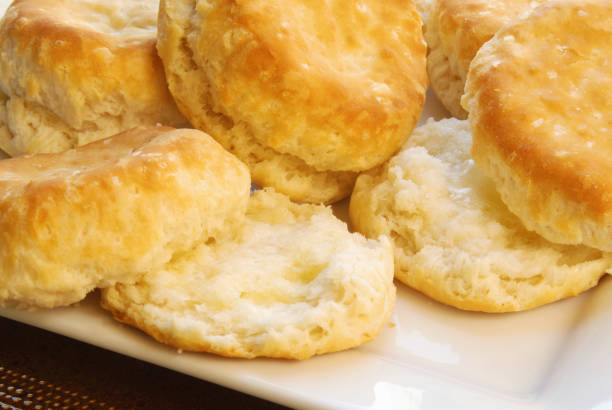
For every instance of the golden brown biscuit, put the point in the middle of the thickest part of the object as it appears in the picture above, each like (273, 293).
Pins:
(538, 95)
(111, 210)
(287, 173)
(328, 85)
(455, 30)
(454, 238)
(295, 283)
(76, 71)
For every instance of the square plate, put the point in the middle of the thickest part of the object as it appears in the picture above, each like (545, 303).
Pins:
(429, 356)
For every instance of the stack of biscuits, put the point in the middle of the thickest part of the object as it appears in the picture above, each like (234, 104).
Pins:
(138, 129)
(104, 191)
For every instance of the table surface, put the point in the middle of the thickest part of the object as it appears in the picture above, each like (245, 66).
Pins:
(39, 369)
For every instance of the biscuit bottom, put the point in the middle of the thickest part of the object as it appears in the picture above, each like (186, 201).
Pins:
(294, 283)
(454, 238)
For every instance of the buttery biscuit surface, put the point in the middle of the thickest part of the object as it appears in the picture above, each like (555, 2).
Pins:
(111, 210)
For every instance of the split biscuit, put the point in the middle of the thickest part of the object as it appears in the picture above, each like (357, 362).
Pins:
(454, 238)
(111, 210)
(75, 71)
(324, 89)
(455, 30)
(293, 284)
(538, 95)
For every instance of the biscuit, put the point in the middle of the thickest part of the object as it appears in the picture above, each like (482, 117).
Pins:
(454, 238)
(111, 210)
(76, 71)
(538, 98)
(327, 86)
(287, 173)
(455, 30)
(295, 283)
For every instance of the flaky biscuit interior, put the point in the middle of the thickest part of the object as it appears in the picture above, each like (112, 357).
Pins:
(454, 238)
(296, 283)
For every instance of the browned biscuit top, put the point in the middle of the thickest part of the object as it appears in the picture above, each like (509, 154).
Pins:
(338, 84)
(539, 93)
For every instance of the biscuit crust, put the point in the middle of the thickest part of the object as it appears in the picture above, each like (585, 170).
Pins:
(77, 71)
(455, 30)
(323, 81)
(111, 210)
(294, 284)
(269, 168)
(538, 97)
(454, 238)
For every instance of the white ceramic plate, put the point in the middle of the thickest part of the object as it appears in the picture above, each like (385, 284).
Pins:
(428, 357)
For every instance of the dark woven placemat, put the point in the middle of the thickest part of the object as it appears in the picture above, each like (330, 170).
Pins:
(42, 370)
(18, 390)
